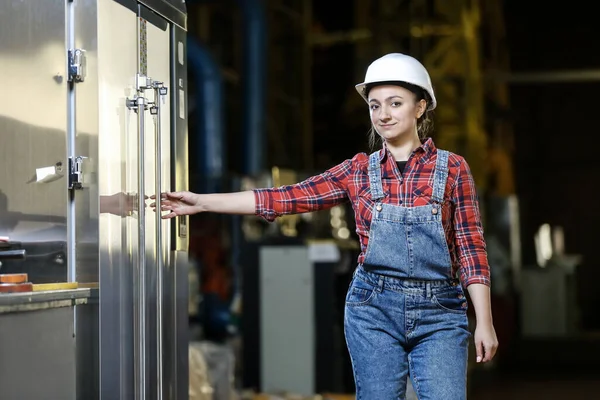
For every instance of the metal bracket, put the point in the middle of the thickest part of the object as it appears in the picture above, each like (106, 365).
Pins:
(137, 103)
(143, 82)
(77, 65)
(76, 172)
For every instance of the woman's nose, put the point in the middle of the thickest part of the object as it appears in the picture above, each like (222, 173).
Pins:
(384, 115)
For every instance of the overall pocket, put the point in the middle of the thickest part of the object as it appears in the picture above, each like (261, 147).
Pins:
(453, 301)
(359, 293)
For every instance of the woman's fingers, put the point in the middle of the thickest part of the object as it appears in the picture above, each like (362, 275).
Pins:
(163, 203)
(169, 215)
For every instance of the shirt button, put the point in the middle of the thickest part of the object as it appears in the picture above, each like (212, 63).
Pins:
(378, 208)
(434, 211)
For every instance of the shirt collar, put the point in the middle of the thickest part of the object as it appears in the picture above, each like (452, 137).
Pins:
(423, 152)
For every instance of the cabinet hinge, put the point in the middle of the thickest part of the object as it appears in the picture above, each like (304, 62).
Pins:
(76, 172)
(76, 65)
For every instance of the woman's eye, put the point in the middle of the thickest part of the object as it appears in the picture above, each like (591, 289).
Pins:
(396, 104)
(374, 106)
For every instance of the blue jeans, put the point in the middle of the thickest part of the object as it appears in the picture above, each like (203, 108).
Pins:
(396, 327)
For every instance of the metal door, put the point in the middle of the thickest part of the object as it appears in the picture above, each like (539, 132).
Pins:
(129, 77)
(90, 94)
(33, 126)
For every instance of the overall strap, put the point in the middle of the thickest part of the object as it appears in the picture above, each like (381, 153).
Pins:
(375, 177)
(441, 176)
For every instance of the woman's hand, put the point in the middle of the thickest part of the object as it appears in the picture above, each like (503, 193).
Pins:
(177, 203)
(486, 342)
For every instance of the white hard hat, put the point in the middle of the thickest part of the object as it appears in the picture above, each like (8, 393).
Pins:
(398, 67)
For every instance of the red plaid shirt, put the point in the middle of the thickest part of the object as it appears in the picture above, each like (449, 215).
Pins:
(349, 181)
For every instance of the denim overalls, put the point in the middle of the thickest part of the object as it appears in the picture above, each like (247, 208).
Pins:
(404, 312)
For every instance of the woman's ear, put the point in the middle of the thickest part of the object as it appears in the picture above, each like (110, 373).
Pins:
(421, 108)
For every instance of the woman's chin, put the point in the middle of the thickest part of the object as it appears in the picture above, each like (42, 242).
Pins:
(392, 137)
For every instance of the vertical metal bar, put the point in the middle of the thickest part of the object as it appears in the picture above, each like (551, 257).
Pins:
(159, 252)
(141, 298)
(71, 131)
(142, 83)
(177, 270)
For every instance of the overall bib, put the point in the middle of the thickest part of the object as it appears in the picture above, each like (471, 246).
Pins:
(404, 312)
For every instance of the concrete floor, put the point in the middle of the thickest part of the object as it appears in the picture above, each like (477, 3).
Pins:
(571, 390)
(532, 387)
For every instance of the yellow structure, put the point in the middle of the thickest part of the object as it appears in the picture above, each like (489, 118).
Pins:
(447, 35)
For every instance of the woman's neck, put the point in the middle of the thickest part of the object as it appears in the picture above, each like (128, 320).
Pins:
(401, 149)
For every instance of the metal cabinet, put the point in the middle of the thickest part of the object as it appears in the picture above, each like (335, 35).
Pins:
(94, 123)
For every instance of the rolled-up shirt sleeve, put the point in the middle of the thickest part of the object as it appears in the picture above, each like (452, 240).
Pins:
(470, 242)
(316, 193)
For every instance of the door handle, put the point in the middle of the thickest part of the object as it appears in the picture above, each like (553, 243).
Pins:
(139, 104)
(6, 255)
(160, 91)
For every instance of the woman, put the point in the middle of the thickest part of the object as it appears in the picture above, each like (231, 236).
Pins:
(421, 238)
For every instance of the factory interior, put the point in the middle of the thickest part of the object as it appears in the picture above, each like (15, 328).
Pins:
(254, 310)
(515, 82)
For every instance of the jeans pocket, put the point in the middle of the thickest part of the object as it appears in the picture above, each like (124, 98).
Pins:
(451, 302)
(359, 293)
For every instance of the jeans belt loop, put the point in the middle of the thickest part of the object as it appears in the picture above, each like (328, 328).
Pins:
(380, 284)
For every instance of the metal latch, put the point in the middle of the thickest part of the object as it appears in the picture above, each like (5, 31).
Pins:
(76, 172)
(77, 65)
(160, 90)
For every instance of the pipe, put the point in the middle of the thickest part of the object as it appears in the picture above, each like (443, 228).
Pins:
(254, 81)
(210, 134)
(255, 58)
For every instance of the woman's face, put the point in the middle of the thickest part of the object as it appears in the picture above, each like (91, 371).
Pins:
(394, 112)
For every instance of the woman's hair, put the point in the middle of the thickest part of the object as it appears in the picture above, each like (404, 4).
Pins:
(424, 123)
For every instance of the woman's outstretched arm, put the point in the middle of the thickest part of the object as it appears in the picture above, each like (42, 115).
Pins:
(186, 203)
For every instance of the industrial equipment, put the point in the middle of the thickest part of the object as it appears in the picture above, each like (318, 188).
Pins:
(93, 123)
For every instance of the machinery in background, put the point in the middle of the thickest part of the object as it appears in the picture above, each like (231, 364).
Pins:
(295, 273)
(556, 315)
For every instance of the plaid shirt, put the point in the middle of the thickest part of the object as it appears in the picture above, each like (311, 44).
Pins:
(349, 181)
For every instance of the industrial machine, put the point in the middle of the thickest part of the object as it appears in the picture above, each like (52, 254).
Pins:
(93, 124)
